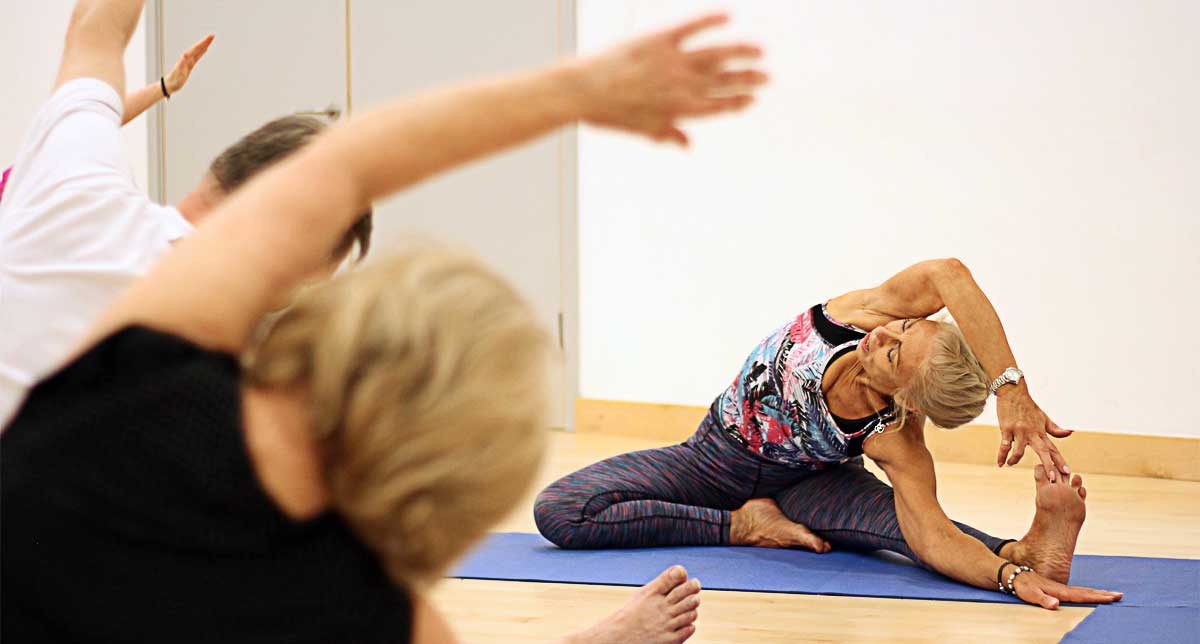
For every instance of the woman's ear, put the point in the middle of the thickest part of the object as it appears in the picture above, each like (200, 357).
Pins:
(901, 399)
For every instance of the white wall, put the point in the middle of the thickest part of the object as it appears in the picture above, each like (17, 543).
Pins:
(1053, 147)
(512, 208)
(226, 98)
(31, 39)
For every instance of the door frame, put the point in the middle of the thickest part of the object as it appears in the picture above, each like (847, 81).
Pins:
(568, 181)
(155, 119)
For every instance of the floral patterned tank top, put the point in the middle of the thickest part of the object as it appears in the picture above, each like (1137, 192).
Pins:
(775, 406)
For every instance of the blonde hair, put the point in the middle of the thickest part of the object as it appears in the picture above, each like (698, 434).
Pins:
(950, 387)
(428, 380)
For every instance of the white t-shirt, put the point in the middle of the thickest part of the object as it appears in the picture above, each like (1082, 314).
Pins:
(75, 231)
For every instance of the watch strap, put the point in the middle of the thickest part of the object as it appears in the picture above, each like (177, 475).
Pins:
(1011, 375)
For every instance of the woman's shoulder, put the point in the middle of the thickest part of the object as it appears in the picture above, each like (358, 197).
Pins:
(133, 352)
(831, 329)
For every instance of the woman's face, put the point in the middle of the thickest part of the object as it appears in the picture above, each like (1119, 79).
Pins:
(890, 354)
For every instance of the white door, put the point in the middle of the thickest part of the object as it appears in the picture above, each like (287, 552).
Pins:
(275, 57)
(510, 208)
(270, 58)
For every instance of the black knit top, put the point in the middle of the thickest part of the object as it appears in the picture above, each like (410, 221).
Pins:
(131, 512)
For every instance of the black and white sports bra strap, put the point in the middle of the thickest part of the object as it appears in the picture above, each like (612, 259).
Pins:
(833, 332)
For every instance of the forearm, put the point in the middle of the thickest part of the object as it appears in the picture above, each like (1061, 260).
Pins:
(956, 555)
(976, 317)
(926, 528)
(140, 100)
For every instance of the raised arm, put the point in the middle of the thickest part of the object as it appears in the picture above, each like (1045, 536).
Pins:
(271, 234)
(96, 40)
(937, 541)
(140, 100)
(924, 289)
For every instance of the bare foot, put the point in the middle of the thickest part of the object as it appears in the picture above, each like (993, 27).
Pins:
(1049, 545)
(761, 523)
(661, 612)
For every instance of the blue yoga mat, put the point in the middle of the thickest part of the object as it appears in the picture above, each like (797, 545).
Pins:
(1143, 625)
(527, 557)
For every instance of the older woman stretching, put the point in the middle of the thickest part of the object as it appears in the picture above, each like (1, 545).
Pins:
(777, 461)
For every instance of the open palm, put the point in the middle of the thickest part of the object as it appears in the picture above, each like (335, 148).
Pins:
(183, 69)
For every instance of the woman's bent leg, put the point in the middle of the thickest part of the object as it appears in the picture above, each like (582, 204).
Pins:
(854, 510)
(672, 496)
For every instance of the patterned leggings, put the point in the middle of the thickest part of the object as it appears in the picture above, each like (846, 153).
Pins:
(684, 495)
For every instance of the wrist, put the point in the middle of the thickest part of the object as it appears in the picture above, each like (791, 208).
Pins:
(578, 84)
(1011, 376)
(1014, 579)
(1011, 389)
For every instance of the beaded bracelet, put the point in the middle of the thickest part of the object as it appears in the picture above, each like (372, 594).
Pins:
(1000, 575)
(1020, 569)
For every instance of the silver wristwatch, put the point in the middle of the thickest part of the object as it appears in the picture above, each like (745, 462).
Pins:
(1010, 376)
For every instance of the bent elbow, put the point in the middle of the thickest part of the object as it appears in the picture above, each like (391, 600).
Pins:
(953, 266)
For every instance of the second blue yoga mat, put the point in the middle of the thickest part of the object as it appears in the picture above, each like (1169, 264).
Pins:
(527, 557)
(1143, 625)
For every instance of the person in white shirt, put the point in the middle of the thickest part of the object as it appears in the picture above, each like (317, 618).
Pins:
(140, 100)
(75, 230)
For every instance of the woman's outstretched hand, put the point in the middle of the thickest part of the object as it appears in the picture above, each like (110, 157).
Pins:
(646, 85)
(178, 76)
(1024, 424)
(1047, 593)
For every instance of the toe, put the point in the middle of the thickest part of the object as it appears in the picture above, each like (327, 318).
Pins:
(1082, 492)
(684, 633)
(1039, 474)
(815, 543)
(680, 621)
(683, 591)
(668, 580)
(1076, 481)
(687, 604)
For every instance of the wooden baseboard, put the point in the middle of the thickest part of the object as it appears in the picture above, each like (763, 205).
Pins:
(1088, 452)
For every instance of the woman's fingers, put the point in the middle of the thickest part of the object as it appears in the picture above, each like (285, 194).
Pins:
(672, 134)
(716, 105)
(1019, 448)
(1045, 452)
(1006, 441)
(728, 81)
(183, 68)
(1084, 595)
(679, 33)
(1039, 597)
(1050, 429)
(1060, 462)
(1054, 430)
(1047, 593)
(196, 51)
(648, 84)
(711, 58)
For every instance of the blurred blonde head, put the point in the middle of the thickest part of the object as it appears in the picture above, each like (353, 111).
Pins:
(427, 375)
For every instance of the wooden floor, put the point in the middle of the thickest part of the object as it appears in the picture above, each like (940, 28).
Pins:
(1126, 516)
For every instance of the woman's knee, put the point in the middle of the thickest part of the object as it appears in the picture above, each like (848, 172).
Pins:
(556, 517)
